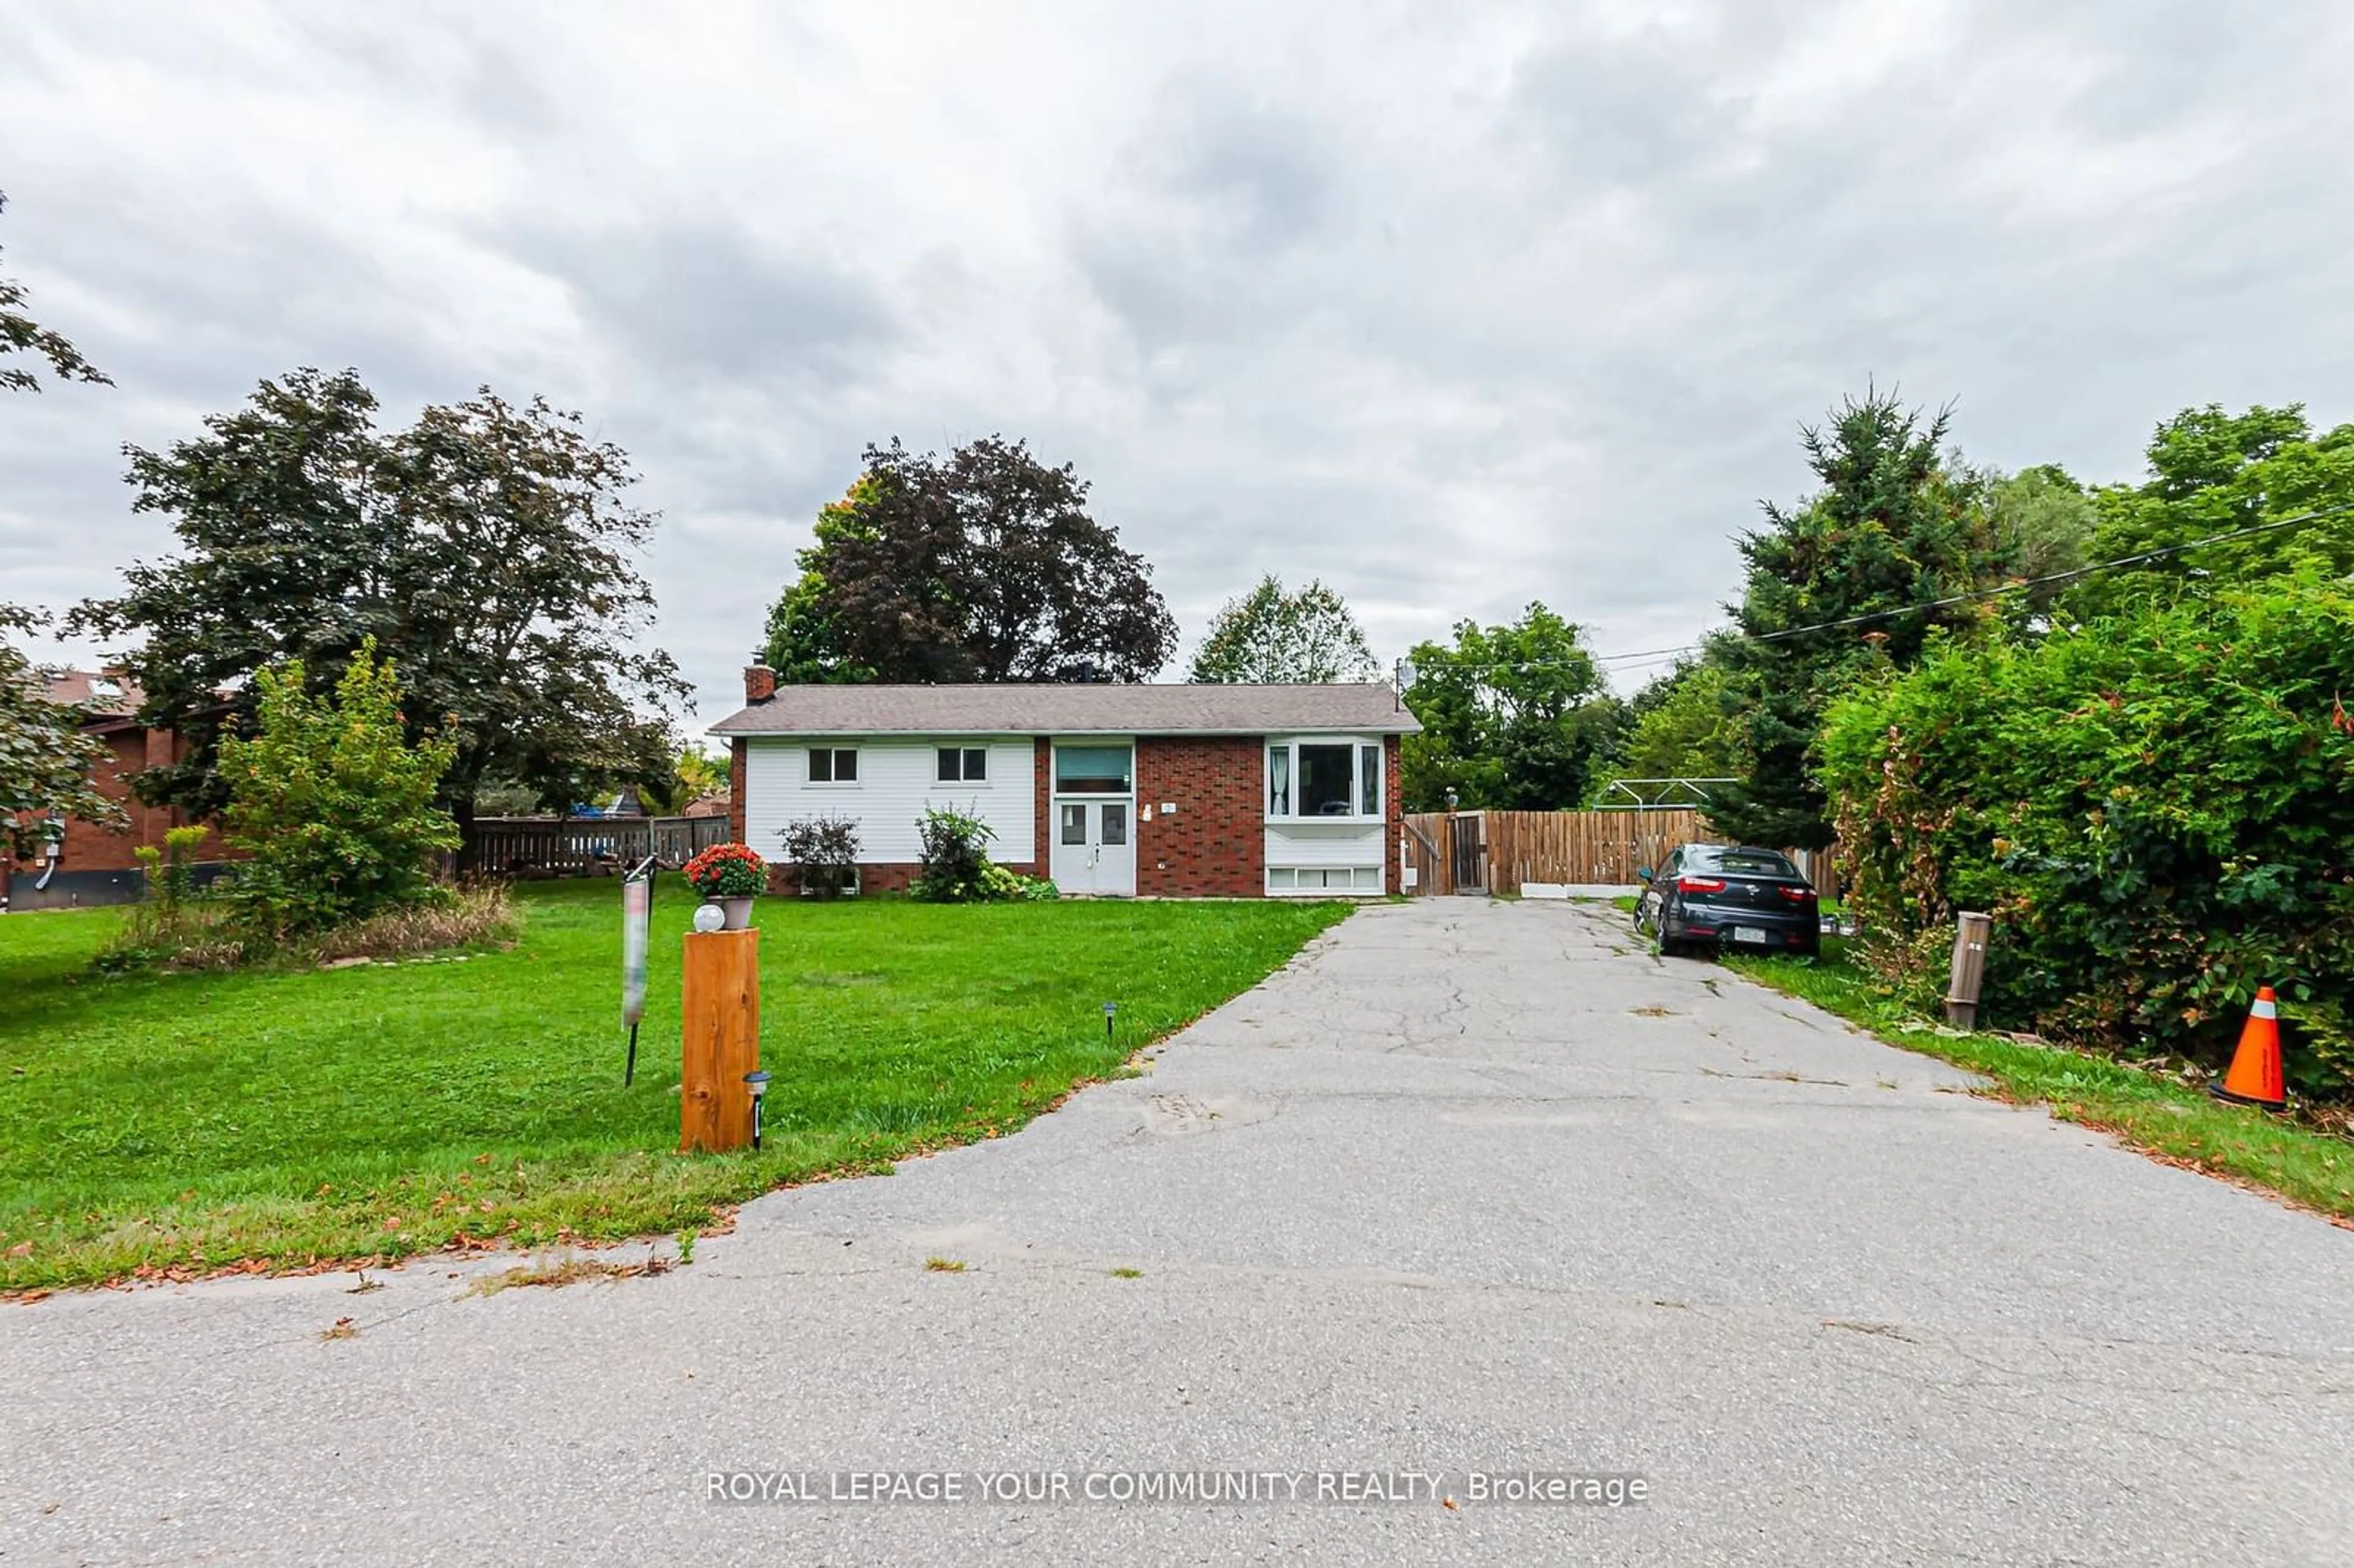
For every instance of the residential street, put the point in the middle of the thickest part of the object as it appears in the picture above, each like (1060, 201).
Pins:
(1468, 1186)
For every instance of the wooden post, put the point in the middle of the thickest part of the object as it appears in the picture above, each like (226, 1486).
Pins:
(719, 1027)
(1970, 932)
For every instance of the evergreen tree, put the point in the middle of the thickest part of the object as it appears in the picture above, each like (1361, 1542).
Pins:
(1890, 529)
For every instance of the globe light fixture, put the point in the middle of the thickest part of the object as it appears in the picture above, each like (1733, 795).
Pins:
(709, 917)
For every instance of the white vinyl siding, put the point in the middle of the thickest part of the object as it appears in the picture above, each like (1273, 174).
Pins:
(897, 777)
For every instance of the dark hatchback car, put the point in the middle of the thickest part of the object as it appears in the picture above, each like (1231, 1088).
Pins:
(1724, 895)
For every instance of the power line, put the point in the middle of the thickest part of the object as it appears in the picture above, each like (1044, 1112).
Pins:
(2143, 559)
(1646, 657)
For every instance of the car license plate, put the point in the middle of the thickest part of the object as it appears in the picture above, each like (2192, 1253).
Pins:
(1751, 934)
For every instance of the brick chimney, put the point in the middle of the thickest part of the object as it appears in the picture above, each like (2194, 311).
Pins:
(760, 680)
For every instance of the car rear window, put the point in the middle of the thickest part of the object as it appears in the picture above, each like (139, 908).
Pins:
(1750, 862)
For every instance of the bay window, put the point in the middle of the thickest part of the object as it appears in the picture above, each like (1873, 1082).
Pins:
(1319, 780)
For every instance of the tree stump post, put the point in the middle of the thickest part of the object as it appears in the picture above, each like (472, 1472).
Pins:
(1970, 933)
(719, 1029)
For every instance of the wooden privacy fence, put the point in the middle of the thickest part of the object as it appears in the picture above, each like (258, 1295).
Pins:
(1582, 849)
(591, 843)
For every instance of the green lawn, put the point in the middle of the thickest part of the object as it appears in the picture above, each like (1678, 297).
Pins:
(202, 1120)
(2158, 1114)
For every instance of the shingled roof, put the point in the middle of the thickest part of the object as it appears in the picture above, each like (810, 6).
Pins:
(108, 704)
(1074, 709)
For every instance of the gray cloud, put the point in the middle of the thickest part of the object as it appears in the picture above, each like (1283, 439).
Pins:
(1452, 308)
(705, 296)
(1210, 225)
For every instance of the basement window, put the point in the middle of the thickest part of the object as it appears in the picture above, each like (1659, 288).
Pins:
(1315, 880)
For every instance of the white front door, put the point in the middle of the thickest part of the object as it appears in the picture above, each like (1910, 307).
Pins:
(1094, 818)
(1095, 847)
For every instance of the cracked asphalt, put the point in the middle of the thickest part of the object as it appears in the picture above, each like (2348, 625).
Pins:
(1468, 1186)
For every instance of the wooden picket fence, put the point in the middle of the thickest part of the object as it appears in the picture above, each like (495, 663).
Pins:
(1498, 852)
(519, 846)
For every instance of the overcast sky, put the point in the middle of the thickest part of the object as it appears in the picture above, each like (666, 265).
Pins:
(1453, 306)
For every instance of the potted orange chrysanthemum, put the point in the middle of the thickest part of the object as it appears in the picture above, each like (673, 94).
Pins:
(730, 875)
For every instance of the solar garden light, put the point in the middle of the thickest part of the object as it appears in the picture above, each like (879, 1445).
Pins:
(757, 1082)
(1110, 1008)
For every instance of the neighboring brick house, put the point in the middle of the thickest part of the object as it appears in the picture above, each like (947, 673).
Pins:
(1165, 791)
(97, 865)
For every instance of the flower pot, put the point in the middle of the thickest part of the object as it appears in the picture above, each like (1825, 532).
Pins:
(738, 912)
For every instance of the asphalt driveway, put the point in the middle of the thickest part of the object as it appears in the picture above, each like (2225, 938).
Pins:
(1467, 1187)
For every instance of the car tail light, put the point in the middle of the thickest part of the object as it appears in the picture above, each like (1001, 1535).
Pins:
(1799, 894)
(1700, 885)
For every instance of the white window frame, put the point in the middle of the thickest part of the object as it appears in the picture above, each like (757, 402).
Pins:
(1291, 745)
(833, 762)
(963, 750)
(1284, 881)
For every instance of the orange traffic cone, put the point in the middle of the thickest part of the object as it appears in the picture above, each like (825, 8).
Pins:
(2255, 1075)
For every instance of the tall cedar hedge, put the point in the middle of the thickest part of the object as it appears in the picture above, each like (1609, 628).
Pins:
(2157, 808)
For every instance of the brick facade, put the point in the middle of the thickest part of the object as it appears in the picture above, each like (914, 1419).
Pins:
(1393, 820)
(1215, 845)
(100, 864)
(736, 748)
(1043, 776)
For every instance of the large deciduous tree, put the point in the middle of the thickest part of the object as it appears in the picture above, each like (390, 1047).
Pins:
(488, 549)
(1891, 529)
(1513, 717)
(804, 645)
(1269, 635)
(19, 334)
(983, 565)
(2043, 522)
(2211, 472)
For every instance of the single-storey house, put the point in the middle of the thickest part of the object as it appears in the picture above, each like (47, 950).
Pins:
(1205, 790)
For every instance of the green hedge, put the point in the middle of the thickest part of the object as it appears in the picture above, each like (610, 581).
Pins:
(2157, 808)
